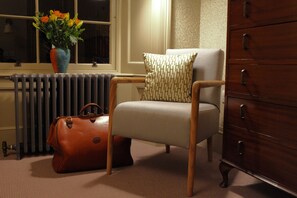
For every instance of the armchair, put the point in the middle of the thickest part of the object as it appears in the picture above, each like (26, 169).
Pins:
(173, 123)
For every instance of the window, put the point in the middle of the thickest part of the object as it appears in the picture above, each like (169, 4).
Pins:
(21, 46)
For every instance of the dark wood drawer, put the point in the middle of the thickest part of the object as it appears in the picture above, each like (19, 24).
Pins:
(264, 44)
(273, 121)
(247, 13)
(273, 83)
(258, 155)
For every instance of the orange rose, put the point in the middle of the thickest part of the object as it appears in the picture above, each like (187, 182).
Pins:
(65, 16)
(44, 19)
(57, 13)
(77, 21)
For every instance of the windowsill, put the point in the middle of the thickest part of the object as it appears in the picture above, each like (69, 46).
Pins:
(29, 68)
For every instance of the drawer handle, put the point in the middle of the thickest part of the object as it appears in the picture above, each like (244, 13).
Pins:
(242, 111)
(240, 147)
(243, 74)
(245, 38)
(245, 7)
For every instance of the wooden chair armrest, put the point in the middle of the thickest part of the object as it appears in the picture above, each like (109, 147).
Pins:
(125, 79)
(113, 88)
(207, 83)
(198, 85)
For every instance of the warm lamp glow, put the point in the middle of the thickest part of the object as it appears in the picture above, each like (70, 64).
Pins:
(156, 5)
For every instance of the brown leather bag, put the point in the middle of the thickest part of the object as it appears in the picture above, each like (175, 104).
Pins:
(80, 143)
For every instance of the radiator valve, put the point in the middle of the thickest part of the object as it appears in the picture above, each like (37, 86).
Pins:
(6, 147)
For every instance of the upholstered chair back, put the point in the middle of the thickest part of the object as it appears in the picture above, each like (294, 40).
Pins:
(207, 66)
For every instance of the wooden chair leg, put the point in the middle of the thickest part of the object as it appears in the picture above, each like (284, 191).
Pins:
(191, 170)
(109, 155)
(209, 149)
(167, 147)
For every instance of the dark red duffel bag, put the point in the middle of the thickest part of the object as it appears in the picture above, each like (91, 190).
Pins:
(80, 143)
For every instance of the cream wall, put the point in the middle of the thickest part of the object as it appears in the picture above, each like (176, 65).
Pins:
(185, 24)
(199, 23)
(144, 27)
(213, 24)
(7, 116)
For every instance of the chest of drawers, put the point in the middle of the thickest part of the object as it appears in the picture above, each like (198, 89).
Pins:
(260, 121)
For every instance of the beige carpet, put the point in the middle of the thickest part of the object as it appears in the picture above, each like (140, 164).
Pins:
(154, 174)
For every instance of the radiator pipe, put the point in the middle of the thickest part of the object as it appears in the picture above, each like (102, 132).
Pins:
(5, 77)
(6, 147)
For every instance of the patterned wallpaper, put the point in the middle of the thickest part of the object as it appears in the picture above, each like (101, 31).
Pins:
(199, 23)
(213, 23)
(185, 23)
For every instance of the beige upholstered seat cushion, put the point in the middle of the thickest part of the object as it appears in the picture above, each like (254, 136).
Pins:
(163, 122)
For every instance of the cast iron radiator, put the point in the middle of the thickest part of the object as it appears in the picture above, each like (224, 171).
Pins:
(40, 98)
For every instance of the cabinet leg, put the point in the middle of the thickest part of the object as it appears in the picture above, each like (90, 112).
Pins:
(224, 169)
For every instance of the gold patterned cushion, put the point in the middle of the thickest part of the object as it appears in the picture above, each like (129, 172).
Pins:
(169, 77)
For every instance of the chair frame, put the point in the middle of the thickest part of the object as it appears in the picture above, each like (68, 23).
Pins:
(196, 87)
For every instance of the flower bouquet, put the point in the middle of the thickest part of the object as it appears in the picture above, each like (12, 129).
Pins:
(62, 32)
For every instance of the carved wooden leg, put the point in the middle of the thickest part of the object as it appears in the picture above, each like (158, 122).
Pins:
(167, 148)
(209, 149)
(224, 169)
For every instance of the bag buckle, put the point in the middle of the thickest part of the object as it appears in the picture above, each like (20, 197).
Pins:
(69, 122)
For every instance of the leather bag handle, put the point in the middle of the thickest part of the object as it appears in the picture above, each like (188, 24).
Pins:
(90, 115)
